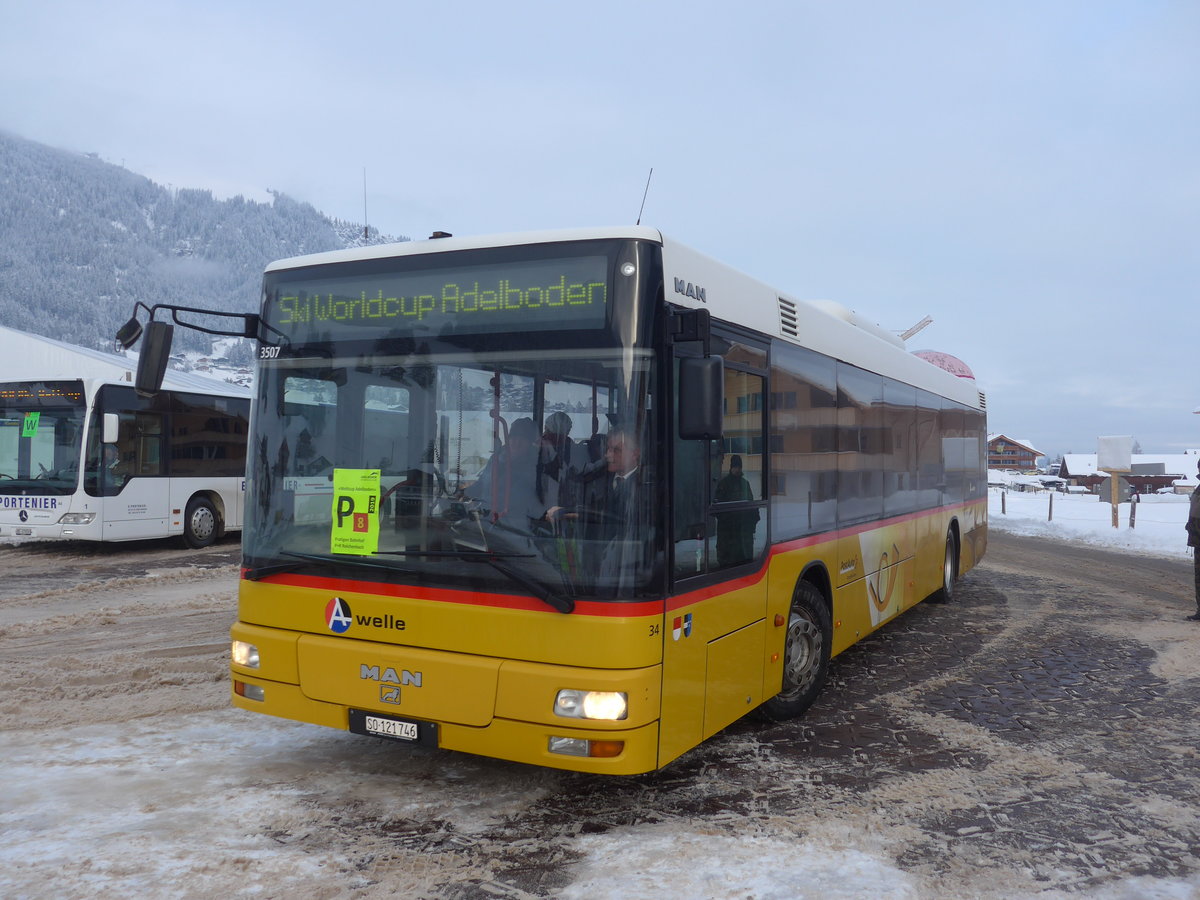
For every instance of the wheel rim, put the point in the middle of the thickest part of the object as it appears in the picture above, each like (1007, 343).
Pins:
(203, 523)
(948, 567)
(802, 655)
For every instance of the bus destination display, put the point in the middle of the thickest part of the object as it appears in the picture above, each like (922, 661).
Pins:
(539, 295)
(41, 394)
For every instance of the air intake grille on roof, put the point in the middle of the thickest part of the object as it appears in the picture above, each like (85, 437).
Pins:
(982, 400)
(787, 318)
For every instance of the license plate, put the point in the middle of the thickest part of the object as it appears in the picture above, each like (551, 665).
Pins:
(25, 531)
(405, 731)
(362, 722)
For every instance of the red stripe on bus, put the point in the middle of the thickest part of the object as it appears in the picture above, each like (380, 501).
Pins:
(612, 609)
(467, 598)
(874, 525)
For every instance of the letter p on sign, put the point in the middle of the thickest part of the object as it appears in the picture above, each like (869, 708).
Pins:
(345, 507)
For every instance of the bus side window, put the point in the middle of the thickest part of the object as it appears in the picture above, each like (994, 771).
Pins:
(739, 531)
(137, 452)
(149, 442)
(719, 498)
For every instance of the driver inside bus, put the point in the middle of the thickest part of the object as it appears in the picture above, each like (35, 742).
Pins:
(116, 472)
(613, 517)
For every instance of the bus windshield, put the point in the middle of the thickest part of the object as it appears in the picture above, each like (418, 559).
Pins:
(41, 426)
(486, 460)
(499, 469)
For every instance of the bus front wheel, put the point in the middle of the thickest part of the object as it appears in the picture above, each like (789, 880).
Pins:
(201, 524)
(805, 656)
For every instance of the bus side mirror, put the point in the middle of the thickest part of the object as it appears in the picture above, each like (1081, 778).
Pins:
(701, 396)
(152, 359)
(110, 430)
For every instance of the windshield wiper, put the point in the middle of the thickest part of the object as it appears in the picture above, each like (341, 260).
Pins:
(260, 572)
(493, 559)
(458, 554)
(263, 571)
(562, 604)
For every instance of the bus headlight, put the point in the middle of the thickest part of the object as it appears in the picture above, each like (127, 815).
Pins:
(77, 518)
(611, 706)
(244, 654)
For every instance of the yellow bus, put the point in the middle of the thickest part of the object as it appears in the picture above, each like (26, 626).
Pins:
(581, 498)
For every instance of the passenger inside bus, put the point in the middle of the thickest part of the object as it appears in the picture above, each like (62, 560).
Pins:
(514, 489)
(735, 528)
(563, 458)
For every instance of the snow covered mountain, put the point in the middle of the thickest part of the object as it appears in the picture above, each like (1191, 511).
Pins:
(82, 240)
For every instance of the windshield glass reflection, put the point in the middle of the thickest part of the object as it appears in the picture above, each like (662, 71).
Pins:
(497, 472)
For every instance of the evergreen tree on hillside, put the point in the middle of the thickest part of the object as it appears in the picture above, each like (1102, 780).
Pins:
(82, 240)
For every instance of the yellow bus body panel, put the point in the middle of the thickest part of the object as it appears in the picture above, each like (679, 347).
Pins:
(710, 678)
(488, 673)
(536, 633)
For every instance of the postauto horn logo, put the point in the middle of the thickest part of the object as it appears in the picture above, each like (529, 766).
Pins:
(337, 615)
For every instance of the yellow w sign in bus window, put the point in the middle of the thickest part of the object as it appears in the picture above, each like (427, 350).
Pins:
(355, 512)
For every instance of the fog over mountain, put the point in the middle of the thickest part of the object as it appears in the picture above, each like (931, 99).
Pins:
(81, 240)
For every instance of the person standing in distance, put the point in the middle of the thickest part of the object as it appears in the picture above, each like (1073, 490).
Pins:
(1193, 533)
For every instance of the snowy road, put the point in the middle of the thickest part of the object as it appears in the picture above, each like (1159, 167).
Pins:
(1038, 737)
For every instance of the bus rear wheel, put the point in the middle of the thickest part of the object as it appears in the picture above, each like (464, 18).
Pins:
(806, 652)
(949, 570)
(201, 523)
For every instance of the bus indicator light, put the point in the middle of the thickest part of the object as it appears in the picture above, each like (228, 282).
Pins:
(606, 749)
(567, 746)
(249, 691)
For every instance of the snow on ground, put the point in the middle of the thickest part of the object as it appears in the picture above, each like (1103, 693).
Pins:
(1157, 529)
(173, 806)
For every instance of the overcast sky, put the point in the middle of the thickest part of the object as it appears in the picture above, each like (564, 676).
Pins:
(1027, 173)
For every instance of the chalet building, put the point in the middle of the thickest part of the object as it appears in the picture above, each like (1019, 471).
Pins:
(1008, 453)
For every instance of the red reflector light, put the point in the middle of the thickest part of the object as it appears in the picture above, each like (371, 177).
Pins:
(606, 749)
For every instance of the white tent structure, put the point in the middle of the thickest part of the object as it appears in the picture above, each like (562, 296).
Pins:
(26, 356)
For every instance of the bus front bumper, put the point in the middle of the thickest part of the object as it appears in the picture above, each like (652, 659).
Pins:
(54, 532)
(525, 742)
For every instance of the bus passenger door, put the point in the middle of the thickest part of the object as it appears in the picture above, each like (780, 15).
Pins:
(715, 643)
(137, 502)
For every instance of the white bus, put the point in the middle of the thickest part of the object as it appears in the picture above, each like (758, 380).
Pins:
(90, 459)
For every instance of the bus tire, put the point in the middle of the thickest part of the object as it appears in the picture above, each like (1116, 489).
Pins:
(806, 654)
(201, 523)
(945, 593)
